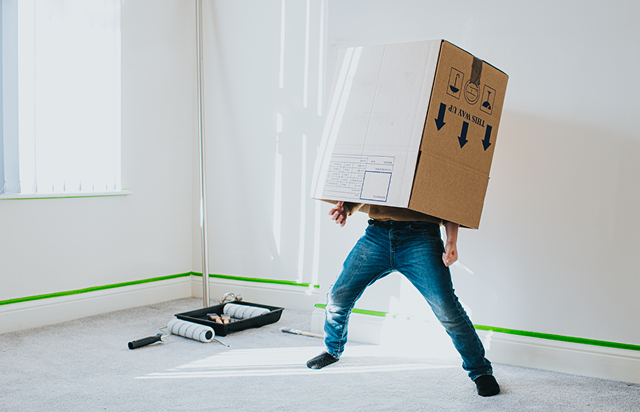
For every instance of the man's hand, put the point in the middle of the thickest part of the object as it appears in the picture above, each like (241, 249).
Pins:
(451, 249)
(339, 213)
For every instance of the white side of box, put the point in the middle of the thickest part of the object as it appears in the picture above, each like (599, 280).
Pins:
(374, 126)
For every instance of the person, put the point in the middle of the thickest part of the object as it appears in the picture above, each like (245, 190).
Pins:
(409, 242)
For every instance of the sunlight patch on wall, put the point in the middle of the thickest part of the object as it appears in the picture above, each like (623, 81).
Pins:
(277, 188)
(303, 208)
(321, 59)
(305, 86)
(282, 33)
(316, 244)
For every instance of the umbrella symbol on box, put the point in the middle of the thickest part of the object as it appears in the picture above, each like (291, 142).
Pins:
(456, 80)
(455, 83)
(488, 98)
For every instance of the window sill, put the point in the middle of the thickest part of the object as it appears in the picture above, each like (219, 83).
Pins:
(63, 195)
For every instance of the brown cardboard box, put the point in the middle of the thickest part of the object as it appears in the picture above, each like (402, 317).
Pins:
(411, 125)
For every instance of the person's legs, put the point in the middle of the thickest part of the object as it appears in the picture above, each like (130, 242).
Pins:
(418, 256)
(367, 262)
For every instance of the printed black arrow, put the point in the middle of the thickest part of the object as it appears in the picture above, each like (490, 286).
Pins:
(487, 136)
(463, 135)
(440, 120)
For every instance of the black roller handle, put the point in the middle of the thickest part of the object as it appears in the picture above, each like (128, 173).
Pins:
(144, 341)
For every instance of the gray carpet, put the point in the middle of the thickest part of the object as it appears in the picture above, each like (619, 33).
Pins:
(85, 365)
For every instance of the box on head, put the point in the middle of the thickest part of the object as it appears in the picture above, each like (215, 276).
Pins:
(411, 125)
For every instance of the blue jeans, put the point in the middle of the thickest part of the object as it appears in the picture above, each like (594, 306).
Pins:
(415, 250)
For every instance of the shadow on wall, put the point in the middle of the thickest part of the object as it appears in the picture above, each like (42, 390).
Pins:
(558, 228)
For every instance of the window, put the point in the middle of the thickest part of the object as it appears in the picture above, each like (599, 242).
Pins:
(60, 109)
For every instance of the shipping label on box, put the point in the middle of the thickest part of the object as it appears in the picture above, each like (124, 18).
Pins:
(411, 125)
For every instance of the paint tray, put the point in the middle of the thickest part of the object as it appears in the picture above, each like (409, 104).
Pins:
(200, 316)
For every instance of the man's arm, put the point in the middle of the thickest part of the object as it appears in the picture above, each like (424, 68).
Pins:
(451, 249)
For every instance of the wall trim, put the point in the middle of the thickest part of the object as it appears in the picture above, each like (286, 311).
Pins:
(258, 280)
(65, 195)
(289, 295)
(566, 354)
(91, 289)
(43, 310)
(560, 338)
(539, 335)
(155, 279)
(562, 356)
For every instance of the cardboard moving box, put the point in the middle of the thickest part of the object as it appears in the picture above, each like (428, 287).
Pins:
(411, 125)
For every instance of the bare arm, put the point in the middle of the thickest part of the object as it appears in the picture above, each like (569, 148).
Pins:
(451, 249)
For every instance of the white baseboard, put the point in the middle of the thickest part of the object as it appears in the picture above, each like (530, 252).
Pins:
(429, 339)
(273, 294)
(575, 358)
(409, 336)
(42, 312)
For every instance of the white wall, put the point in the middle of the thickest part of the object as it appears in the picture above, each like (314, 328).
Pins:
(59, 245)
(555, 252)
(556, 246)
(262, 132)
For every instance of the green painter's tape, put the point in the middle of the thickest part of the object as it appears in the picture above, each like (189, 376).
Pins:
(560, 338)
(258, 280)
(62, 196)
(138, 282)
(91, 289)
(360, 311)
(538, 335)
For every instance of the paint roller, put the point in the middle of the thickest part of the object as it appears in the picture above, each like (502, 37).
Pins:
(182, 328)
(199, 332)
(191, 330)
(243, 311)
